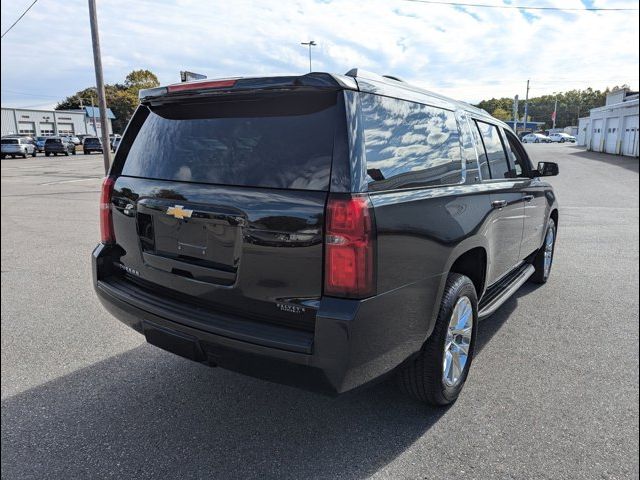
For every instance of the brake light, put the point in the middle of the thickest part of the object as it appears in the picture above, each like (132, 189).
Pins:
(349, 248)
(181, 87)
(107, 234)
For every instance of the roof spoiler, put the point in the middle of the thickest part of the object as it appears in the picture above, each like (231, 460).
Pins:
(229, 85)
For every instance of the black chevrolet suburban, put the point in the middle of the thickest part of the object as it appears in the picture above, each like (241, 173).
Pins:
(322, 230)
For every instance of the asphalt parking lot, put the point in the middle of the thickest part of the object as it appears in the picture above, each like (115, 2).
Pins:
(553, 391)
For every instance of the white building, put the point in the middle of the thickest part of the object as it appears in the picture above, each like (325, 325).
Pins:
(613, 128)
(44, 123)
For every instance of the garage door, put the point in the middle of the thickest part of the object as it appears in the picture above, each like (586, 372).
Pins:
(611, 139)
(27, 128)
(65, 128)
(630, 136)
(46, 129)
(596, 136)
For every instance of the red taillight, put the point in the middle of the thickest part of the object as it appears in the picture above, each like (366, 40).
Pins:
(349, 248)
(181, 87)
(107, 234)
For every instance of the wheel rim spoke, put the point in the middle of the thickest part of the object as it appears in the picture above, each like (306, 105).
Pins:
(457, 342)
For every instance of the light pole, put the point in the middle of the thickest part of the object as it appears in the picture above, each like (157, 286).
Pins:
(526, 107)
(310, 44)
(102, 103)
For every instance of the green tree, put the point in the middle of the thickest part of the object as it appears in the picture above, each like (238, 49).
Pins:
(122, 99)
(502, 114)
(139, 79)
(572, 104)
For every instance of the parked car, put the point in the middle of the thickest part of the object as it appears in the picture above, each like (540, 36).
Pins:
(75, 140)
(91, 144)
(17, 147)
(116, 143)
(112, 139)
(56, 145)
(562, 138)
(39, 143)
(536, 138)
(321, 230)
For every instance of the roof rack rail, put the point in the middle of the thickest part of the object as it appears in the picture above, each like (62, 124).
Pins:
(393, 77)
(358, 72)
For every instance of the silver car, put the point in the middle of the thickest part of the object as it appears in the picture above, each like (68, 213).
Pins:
(536, 138)
(17, 147)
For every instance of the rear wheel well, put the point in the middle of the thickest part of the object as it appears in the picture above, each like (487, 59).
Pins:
(554, 215)
(472, 264)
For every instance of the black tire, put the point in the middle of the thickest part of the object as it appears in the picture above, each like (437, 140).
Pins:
(540, 276)
(46, 154)
(422, 376)
(66, 153)
(2, 156)
(73, 152)
(85, 152)
(24, 155)
(35, 152)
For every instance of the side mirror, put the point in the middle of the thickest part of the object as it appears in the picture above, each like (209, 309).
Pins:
(546, 169)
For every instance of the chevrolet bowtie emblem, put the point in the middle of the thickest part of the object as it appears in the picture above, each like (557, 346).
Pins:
(178, 211)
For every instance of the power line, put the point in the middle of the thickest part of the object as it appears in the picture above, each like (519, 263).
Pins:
(523, 7)
(19, 18)
(28, 94)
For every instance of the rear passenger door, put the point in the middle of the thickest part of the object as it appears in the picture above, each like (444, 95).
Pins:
(505, 227)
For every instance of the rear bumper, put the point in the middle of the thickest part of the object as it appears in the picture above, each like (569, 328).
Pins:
(352, 344)
(92, 149)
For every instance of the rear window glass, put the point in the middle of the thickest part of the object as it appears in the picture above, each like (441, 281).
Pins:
(409, 144)
(53, 140)
(91, 140)
(283, 141)
(10, 141)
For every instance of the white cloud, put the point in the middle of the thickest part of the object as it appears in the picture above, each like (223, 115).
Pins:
(479, 54)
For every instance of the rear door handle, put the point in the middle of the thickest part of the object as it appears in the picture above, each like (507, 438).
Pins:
(528, 198)
(499, 203)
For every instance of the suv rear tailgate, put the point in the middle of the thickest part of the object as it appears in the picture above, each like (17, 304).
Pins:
(221, 204)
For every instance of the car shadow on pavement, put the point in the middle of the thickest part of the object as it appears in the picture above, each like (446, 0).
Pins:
(148, 414)
(630, 163)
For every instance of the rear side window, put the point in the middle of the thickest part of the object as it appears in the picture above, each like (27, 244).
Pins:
(283, 141)
(409, 144)
(10, 141)
(494, 153)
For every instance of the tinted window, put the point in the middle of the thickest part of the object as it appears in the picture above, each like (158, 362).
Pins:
(10, 141)
(409, 144)
(517, 155)
(90, 141)
(494, 151)
(281, 142)
(53, 140)
(468, 149)
(482, 157)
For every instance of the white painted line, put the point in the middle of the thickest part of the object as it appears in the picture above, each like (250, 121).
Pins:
(71, 181)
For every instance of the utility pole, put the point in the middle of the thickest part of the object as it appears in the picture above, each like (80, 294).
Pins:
(555, 112)
(310, 44)
(526, 107)
(93, 118)
(515, 114)
(97, 63)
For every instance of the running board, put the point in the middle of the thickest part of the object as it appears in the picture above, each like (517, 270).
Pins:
(499, 293)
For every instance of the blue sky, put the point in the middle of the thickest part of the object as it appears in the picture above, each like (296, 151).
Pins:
(464, 52)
